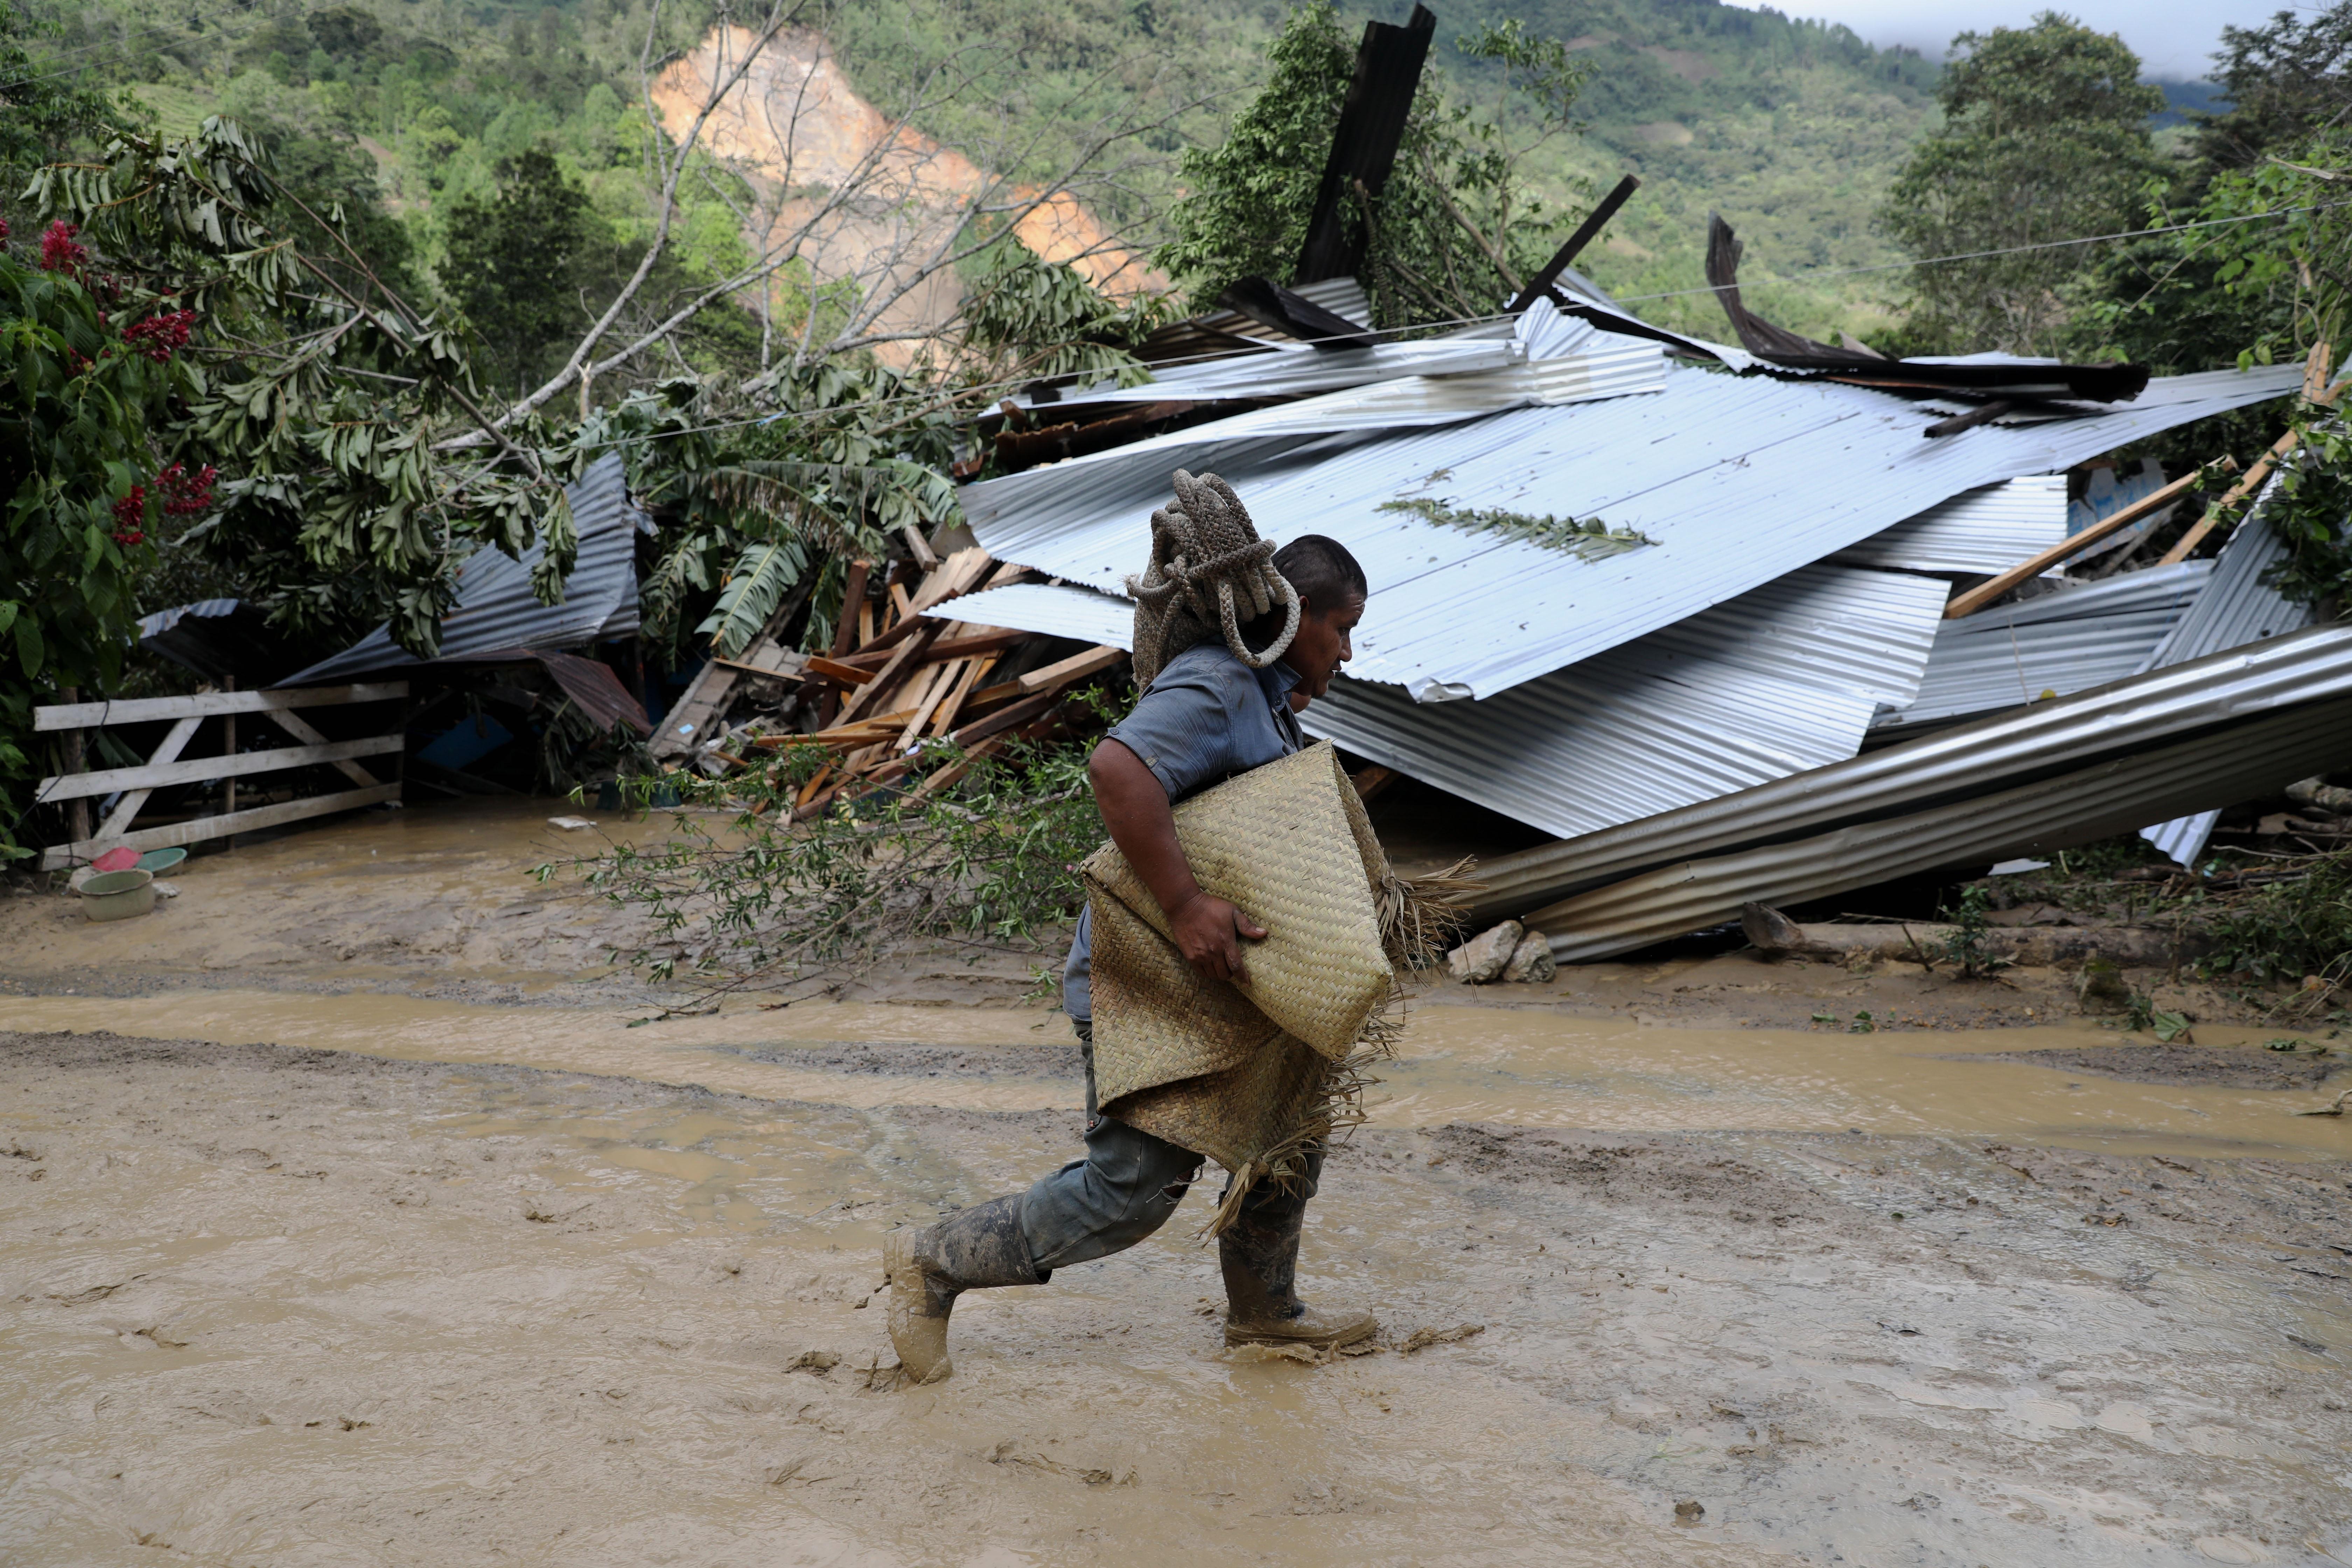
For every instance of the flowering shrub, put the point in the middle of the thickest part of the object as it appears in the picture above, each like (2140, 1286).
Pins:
(60, 252)
(76, 417)
(131, 517)
(157, 336)
(186, 494)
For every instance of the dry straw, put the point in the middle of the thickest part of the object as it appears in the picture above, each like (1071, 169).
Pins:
(1254, 1074)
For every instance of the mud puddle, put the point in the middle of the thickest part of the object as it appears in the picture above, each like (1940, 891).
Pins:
(324, 1306)
(1456, 1063)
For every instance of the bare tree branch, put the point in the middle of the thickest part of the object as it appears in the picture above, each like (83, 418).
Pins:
(782, 15)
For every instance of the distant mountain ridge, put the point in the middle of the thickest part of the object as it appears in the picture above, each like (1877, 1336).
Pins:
(1791, 129)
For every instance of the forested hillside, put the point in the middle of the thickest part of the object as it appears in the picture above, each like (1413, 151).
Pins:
(1791, 129)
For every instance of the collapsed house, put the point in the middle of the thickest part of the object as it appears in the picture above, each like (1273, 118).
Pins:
(1771, 621)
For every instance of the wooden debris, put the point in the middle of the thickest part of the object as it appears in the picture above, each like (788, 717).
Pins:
(2315, 377)
(839, 673)
(1985, 593)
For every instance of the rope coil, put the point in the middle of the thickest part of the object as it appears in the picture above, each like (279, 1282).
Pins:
(1207, 562)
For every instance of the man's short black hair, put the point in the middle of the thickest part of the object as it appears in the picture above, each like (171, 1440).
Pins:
(1322, 571)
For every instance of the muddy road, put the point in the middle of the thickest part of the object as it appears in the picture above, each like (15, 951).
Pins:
(320, 1245)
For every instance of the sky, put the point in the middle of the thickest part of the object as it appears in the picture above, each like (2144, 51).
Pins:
(2175, 37)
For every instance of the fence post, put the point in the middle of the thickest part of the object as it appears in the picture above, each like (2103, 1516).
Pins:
(77, 810)
(229, 748)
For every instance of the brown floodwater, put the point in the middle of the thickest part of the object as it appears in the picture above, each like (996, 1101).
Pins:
(344, 1309)
(1525, 1068)
(537, 1282)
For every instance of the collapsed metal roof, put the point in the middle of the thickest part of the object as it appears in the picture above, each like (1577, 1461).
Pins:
(1984, 530)
(2247, 735)
(498, 612)
(2004, 751)
(2069, 639)
(1781, 679)
(1738, 480)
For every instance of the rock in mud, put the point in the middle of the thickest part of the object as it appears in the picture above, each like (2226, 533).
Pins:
(1531, 960)
(1768, 929)
(1482, 959)
(2101, 988)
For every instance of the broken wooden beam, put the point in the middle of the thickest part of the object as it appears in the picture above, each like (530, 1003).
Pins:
(1053, 676)
(840, 672)
(1541, 283)
(1985, 593)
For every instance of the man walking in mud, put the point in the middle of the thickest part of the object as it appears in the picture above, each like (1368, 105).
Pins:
(1220, 695)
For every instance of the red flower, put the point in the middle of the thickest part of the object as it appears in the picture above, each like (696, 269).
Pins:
(157, 336)
(186, 494)
(59, 250)
(3, 234)
(130, 512)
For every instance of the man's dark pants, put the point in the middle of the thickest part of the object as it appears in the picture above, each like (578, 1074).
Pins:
(1127, 1187)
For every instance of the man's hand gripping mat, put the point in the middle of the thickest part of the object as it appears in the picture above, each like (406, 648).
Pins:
(1252, 1074)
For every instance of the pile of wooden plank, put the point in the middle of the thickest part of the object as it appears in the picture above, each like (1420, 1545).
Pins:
(894, 680)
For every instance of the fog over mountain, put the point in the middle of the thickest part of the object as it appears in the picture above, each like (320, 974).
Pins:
(2175, 37)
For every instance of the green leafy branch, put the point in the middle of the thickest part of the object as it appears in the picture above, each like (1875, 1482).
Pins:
(1586, 539)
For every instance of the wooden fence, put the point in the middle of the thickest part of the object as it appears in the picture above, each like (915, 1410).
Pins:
(165, 766)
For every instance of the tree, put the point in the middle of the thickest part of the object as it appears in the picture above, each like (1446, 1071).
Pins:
(516, 265)
(92, 366)
(2046, 138)
(1252, 196)
(1454, 233)
(43, 112)
(2284, 80)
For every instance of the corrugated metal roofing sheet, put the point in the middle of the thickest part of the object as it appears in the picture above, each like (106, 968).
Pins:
(1341, 296)
(2236, 609)
(1782, 678)
(1985, 531)
(496, 611)
(2249, 750)
(2070, 638)
(2238, 606)
(1740, 480)
(1989, 754)
(1293, 370)
(1050, 611)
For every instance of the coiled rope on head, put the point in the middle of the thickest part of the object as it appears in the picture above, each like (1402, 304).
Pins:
(1210, 574)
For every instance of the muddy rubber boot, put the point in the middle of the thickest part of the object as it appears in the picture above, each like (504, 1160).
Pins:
(1260, 1254)
(972, 1249)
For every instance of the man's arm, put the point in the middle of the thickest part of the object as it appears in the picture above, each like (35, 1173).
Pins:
(1135, 808)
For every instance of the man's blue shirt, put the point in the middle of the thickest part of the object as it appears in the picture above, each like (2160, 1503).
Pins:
(1207, 717)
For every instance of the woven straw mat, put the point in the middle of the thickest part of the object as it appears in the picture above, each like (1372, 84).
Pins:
(1225, 1069)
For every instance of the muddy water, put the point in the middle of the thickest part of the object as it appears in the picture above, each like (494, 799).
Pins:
(1457, 1064)
(338, 1308)
(365, 899)
(414, 1317)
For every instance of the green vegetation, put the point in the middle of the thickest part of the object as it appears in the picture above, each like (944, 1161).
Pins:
(744, 899)
(2045, 138)
(2259, 277)
(90, 364)
(1793, 129)
(2291, 928)
(1966, 946)
(1588, 538)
